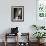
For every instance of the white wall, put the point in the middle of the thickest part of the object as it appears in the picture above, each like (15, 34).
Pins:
(29, 15)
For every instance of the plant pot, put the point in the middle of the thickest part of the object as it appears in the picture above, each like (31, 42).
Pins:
(40, 41)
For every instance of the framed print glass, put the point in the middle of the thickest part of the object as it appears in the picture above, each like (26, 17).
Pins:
(17, 13)
(41, 12)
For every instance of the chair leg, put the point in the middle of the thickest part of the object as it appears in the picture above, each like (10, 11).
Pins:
(5, 40)
(5, 43)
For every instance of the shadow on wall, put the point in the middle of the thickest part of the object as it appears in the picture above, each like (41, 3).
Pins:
(32, 30)
(7, 31)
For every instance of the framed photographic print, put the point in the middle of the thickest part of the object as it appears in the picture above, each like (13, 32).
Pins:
(41, 12)
(17, 13)
(41, 8)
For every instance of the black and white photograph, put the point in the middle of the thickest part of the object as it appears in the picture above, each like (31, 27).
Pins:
(17, 13)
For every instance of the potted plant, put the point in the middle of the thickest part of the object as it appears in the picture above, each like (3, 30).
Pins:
(35, 26)
(38, 27)
(39, 35)
(42, 27)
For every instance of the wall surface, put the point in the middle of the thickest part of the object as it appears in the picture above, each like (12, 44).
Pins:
(29, 15)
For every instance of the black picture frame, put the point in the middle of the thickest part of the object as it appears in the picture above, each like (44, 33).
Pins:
(17, 13)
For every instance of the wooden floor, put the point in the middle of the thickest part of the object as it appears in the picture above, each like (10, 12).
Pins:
(13, 44)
